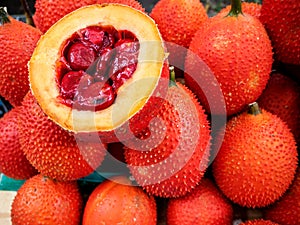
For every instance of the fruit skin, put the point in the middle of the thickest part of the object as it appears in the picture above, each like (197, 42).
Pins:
(281, 19)
(204, 205)
(281, 97)
(178, 21)
(146, 79)
(13, 162)
(287, 209)
(257, 160)
(177, 142)
(53, 151)
(42, 201)
(19, 40)
(238, 51)
(250, 8)
(133, 3)
(116, 201)
(259, 222)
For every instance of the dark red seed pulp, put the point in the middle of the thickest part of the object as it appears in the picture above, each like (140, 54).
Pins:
(95, 62)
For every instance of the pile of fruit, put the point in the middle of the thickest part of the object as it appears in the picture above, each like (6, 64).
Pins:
(200, 114)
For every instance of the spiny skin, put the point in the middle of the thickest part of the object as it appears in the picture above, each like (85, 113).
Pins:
(42, 201)
(19, 40)
(250, 8)
(259, 222)
(133, 3)
(178, 21)
(205, 205)
(116, 201)
(281, 19)
(170, 158)
(53, 151)
(238, 52)
(281, 97)
(13, 162)
(257, 159)
(48, 12)
(287, 209)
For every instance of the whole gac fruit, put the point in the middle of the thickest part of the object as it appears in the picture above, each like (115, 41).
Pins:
(102, 72)
(204, 205)
(257, 160)
(283, 28)
(170, 157)
(259, 222)
(42, 201)
(238, 51)
(281, 97)
(116, 201)
(19, 40)
(13, 162)
(55, 152)
(287, 209)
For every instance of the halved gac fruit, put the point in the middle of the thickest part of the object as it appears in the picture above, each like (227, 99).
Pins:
(94, 70)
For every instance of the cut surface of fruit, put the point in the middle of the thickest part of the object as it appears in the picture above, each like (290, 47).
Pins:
(101, 71)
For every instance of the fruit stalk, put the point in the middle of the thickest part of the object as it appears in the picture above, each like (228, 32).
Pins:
(3, 16)
(254, 109)
(172, 81)
(27, 13)
(236, 8)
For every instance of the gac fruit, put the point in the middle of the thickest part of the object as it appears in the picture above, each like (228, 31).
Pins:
(259, 222)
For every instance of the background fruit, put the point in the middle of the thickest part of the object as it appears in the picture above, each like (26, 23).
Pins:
(257, 159)
(53, 151)
(177, 143)
(13, 162)
(42, 201)
(251, 8)
(204, 205)
(239, 53)
(259, 222)
(116, 201)
(19, 40)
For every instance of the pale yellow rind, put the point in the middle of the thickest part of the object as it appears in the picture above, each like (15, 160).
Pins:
(131, 97)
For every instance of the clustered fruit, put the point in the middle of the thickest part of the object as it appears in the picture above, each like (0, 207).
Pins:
(201, 113)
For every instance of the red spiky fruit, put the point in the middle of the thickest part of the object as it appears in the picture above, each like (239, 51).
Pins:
(19, 40)
(42, 201)
(287, 209)
(283, 28)
(204, 205)
(169, 159)
(55, 152)
(259, 222)
(117, 201)
(178, 21)
(13, 162)
(257, 160)
(238, 51)
(251, 8)
(281, 97)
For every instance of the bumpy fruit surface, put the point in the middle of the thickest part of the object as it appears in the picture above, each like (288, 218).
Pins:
(204, 205)
(132, 3)
(281, 19)
(13, 162)
(19, 40)
(281, 97)
(102, 72)
(259, 222)
(170, 157)
(55, 152)
(257, 159)
(42, 201)
(116, 201)
(287, 209)
(238, 51)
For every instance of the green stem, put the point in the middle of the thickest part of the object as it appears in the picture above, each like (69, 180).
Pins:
(254, 109)
(3, 16)
(236, 8)
(172, 76)
(27, 12)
